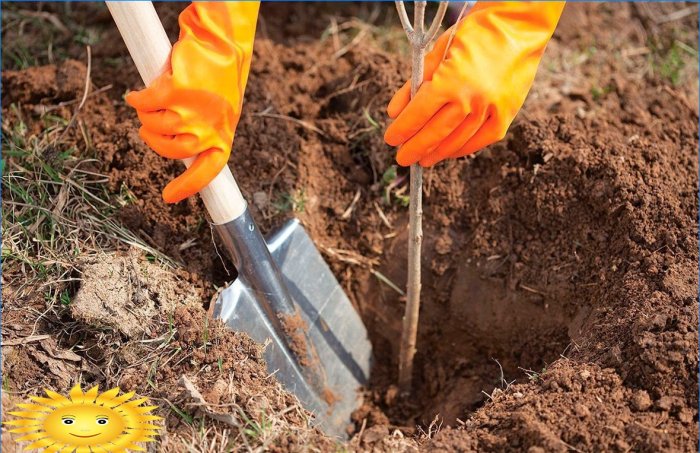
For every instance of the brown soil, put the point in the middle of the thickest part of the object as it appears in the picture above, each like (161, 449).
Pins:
(296, 329)
(560, 283)
(186, 363)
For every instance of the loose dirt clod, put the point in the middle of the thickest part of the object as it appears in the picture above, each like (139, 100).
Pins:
(125, 292)
(295, 328)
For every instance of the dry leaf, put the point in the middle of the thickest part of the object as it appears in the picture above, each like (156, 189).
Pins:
(203, 406)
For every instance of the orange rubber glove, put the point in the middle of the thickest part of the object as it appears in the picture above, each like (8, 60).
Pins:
(468, 99)
(193, 108)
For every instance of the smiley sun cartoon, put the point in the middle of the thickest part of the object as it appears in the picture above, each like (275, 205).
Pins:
(85, 421)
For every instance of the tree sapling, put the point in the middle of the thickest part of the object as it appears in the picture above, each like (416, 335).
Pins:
(419, 39)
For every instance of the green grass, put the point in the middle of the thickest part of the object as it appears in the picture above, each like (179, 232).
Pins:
(87, 36)
(389, 182)
(534, 376)
(671, 62)
(187, 418)
(291, 202)
(19, 57)
(55, 205)
(671, 65)
(65, 298)
(374, 123)
(152, 370)
(597, 93)
(36, 35)
(256, 429)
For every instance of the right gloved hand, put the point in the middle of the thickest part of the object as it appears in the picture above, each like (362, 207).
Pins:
(469, 98)
(193, 108)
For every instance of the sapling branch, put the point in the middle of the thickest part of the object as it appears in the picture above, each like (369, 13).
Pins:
(419, 40)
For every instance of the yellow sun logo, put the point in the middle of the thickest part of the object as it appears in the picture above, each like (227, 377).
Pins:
(85, 421)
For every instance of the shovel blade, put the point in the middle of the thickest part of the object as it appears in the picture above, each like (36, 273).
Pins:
(335, 330)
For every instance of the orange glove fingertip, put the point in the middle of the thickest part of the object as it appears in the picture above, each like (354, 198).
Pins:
(390, 139)
(203, 170)
(137, 99)
(173, 195)
(153, 97)
(405, 159)
(145, 135)
(129, 99)
(399, 101)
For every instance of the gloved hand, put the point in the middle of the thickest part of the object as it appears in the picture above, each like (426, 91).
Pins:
(193, 108)
(468, 99)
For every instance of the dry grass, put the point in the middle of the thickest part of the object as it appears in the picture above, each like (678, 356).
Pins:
(36, 34)
(260, 435)
(173, 362)
(383, 32)
(55, 206)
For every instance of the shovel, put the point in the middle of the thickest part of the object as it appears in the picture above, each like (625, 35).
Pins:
(285, 295)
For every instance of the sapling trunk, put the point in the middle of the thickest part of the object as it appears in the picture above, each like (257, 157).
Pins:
(419, 40)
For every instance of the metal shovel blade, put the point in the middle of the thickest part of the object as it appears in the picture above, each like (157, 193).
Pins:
(335, 330)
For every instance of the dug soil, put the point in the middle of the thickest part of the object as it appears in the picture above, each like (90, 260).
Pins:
(560, 266)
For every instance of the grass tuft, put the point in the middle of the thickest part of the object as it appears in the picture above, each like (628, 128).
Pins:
(55, 205)
(291, 202)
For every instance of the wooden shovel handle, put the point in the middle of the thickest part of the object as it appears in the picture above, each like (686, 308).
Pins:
(149, 47)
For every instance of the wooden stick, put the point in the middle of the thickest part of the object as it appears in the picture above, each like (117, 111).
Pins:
(419, 40)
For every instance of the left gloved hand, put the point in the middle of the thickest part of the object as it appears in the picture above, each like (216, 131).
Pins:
(193, 108)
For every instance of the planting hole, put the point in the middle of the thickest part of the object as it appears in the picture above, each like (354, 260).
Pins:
(478, 332)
